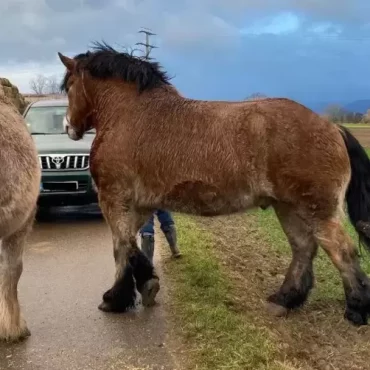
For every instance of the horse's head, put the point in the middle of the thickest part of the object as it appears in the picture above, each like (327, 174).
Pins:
(80, 105)
(91, 83)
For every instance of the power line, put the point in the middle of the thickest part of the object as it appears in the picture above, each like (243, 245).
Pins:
(148, 46)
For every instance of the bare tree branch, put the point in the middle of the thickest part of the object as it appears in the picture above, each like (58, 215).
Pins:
(45, 85)
(39, 84)
(52, 85)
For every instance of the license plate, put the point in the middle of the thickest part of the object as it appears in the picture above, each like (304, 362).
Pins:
(55, 187)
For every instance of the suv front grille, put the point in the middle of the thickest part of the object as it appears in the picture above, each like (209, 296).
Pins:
(64, 162)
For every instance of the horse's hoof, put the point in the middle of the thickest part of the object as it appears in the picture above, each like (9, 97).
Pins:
(117, 303)
(356, 318)
(116, 308)
(16, 336)
(276, 310)
(25, 333)
(149, 292)
(105, 307)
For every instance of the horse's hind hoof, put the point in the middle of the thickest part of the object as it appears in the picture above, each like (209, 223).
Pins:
(276, 310)
(355, 317)
(149, 292)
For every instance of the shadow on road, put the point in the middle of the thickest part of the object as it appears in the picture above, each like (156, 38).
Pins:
(70, 214)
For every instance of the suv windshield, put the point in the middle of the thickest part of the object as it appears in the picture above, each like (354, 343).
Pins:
(47, 120)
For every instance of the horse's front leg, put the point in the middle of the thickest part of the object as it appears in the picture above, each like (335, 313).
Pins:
(131, 264)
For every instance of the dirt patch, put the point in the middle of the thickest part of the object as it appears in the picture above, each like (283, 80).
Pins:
(362, 134)
(314, 337)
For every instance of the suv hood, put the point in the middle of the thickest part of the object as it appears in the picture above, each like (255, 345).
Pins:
(62, 144)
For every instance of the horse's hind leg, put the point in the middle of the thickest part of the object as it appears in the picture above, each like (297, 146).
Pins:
(299, 278)
(340, 248)
(130, 261)
(12, 325)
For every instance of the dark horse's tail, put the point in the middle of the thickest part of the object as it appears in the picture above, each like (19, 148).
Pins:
(358, 191)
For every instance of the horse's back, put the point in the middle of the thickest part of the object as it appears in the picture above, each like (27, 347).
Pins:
(19, 170)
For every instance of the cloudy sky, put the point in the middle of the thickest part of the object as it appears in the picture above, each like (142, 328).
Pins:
(309, 50)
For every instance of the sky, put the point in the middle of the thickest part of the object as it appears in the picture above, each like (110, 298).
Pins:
(307, 50)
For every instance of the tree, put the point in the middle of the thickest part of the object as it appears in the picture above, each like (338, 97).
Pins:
(39, 84)
(45, 85)
(53, 85)
(335, 113)
(338, 114)
(366, 117)
(256, 96)
(354, 117)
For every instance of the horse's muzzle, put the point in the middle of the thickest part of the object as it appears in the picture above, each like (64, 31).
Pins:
(75, 135)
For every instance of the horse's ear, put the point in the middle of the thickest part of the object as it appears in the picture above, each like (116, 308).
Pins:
(69, 63)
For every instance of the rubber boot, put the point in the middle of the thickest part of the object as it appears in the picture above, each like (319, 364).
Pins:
(147, 246)
(171, 237)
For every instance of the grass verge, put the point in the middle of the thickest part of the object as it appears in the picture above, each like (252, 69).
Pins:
(216, 337)
(218, 289)
(356, 125)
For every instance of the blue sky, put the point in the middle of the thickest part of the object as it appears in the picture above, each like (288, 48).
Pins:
(308, 50)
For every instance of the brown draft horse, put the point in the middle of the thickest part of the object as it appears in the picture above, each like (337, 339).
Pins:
(157, 149)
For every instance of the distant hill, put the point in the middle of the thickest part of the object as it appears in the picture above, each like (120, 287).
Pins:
(356, 106)
(317, 106)
(360, 106)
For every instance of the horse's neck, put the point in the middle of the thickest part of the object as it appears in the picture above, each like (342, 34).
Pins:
(122, 103)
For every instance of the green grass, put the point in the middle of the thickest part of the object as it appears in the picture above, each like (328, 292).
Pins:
(216, 336)
(356, 125)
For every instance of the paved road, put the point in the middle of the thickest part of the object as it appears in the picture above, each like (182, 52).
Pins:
(68, 265)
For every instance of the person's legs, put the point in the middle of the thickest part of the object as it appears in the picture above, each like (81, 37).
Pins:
(147, 238)
(169, 230)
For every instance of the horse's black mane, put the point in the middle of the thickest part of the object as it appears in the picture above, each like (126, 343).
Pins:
(105, 62)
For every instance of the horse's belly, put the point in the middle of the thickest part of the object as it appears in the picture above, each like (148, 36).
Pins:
(207, 200)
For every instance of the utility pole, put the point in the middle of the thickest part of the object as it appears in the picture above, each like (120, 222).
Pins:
(148, 46)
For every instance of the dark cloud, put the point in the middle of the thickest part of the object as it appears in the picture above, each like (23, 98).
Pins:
(201, 43)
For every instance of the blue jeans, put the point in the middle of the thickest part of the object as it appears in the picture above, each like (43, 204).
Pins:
(164, 218)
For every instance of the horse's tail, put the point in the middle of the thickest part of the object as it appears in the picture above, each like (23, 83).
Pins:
(358, 191)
